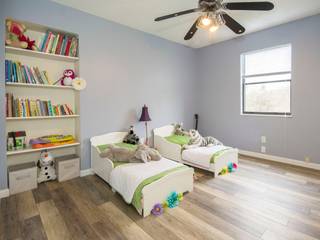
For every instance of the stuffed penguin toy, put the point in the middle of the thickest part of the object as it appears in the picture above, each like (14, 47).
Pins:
(47, 170)
(131, 137)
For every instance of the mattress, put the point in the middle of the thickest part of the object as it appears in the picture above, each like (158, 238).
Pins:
(204, 156)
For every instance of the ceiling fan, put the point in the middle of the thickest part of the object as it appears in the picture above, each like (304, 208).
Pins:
(213, 15)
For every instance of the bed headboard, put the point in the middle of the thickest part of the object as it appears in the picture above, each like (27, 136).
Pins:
(164, 131)
(113, 137)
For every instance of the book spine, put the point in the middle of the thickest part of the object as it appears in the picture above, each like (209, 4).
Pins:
(10, 70)
(50, 44)
(55, 43)
(7, 70)
(47, 42)
(59, 44)
(68, 47)
(43, 77)
(44, 41)
(64, 43)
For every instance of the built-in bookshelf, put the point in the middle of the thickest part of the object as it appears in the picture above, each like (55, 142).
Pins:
(38, 126)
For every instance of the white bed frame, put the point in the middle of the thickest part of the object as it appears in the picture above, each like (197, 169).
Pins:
(174, 151)
(156, 192)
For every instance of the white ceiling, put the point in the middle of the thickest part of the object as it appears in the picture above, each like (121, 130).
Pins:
(140, 14)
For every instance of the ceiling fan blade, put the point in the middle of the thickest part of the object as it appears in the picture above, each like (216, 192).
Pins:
(254, 6)
(177, 14)
(233, 24)
(192, 30)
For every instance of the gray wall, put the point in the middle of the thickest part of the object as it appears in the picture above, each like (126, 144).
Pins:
(219, 93)
(124, 69)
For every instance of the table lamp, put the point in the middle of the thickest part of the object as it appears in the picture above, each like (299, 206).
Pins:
(145, 118)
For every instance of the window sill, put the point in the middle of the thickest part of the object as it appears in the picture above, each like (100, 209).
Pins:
(265, 115)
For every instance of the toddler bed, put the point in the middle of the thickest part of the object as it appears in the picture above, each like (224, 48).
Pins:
(142, 184)
(212, 159)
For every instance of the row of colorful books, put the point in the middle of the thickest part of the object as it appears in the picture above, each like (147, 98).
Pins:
(58, 43)
(19, 107)
(18, 73)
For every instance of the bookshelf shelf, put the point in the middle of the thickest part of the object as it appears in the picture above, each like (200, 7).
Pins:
(28, 85)
(30, 150)
(42, 117)
(30, 53)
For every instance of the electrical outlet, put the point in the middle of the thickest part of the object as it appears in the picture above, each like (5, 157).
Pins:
(307, 159)
(263, 149)
(263, 139)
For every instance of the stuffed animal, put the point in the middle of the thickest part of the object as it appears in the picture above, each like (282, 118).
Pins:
(47, 169)
(178, 129)
(67, 78)
(142, 154)
(147, 154)
(16, 36)
(196, 140)
(131, 137)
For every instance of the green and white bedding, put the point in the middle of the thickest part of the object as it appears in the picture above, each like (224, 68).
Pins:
(204, 156)
(178, 139)
(129, 179)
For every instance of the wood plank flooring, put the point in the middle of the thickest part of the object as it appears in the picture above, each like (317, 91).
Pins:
(262, 200)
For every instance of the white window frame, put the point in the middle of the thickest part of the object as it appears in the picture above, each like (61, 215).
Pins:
(242, 83)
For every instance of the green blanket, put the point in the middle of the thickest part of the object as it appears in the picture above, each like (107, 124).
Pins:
(122, 145)
(136, 200)
(178, 139)
(218, 154)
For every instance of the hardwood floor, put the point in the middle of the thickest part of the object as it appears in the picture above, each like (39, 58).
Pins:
(260, 201)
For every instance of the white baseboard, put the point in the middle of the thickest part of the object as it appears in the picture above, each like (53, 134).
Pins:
(86, 172)
(294, 162)
(4, 193)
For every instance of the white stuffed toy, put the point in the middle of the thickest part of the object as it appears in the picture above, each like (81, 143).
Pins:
(47, 169)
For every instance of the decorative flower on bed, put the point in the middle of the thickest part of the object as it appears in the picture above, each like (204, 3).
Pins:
(157, 209)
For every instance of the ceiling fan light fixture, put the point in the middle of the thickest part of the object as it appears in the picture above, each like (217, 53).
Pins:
(213, 28)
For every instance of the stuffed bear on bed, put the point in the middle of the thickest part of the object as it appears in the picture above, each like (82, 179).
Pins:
(143, 153)
(131, 137)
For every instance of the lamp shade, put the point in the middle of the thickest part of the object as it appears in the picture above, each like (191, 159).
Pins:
(145, 115)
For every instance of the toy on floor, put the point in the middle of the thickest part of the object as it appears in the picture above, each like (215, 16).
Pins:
(173, 200)
(16, 36)
(229, 169)
(47, 168)
(157, 209)
(131, 137)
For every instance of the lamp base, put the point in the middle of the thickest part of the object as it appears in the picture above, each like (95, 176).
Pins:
(146, 140)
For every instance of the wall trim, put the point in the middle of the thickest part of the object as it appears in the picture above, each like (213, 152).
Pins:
(4, 193)
(273, 158)
(86, 172)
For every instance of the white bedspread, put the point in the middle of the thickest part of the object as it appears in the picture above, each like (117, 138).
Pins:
(202, 155)
(126, 178)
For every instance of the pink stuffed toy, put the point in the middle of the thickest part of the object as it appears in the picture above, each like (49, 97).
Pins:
(68, 76)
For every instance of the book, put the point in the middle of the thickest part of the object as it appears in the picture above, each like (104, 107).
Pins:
(58, 49)
(7, 70)
(55, 43)
(50, 43)
(66, 53)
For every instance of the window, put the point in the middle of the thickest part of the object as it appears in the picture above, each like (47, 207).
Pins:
(266, 81)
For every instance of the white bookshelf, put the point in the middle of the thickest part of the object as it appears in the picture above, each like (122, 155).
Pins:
(40, 55)
(41, 117)
(27, 85)
(31, 150)
(44, 125)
